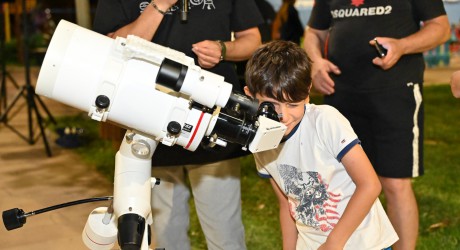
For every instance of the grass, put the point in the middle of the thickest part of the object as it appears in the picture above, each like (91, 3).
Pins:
(437, 191)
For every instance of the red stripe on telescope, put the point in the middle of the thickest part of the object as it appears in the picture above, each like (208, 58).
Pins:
(196, 130)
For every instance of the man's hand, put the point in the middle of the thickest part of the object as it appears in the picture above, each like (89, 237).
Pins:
(394, 52)
(320, 76)
(208, 53)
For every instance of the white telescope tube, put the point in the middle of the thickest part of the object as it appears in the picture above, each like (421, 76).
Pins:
(81, 65)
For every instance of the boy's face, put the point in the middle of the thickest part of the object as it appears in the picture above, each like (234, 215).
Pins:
(290, 113)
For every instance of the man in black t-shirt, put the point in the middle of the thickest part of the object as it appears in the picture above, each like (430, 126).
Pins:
(213, 175)
(381, 95)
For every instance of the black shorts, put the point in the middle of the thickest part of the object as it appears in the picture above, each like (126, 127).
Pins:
(389, 124)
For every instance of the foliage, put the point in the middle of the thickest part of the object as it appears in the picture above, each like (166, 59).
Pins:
(10, 52)
(93, 150)
(13, 51)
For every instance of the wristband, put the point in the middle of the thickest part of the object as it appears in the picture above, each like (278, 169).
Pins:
(223, 49)
(156, 7)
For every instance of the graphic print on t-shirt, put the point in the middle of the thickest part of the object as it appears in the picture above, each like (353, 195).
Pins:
(204, 4)
(309, 200)
(357, 3)
(356, 10)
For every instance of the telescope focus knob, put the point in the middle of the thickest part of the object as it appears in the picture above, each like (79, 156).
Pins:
(102, 102)
(174, 128)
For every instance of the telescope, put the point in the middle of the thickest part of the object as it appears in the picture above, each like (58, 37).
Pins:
(160, 96)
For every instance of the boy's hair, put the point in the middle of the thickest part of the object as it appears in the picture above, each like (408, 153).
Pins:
(280, 70)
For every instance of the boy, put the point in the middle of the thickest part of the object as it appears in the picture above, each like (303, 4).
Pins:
(325, 184)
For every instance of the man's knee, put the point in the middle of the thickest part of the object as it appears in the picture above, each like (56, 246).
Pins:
(396, 186)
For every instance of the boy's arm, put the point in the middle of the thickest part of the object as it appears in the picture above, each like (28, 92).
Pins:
(288, 228)
(368, 188)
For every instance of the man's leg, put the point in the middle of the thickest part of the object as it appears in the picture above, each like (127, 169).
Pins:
(217, 194)
(402, 210)
(170, 209)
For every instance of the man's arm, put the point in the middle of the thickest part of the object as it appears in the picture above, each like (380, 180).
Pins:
(433, 33)
(288, 228)
(245, 43)
(314, 41)
(147, 23)
(455, 84)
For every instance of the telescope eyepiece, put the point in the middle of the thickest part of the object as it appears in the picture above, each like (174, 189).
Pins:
(267, 109)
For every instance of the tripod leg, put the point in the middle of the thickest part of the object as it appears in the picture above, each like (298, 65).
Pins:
(42, 104)
(12, 79)
(33, 106)
(4, 115)
(30, 95)
(3, 90)
(3, 103)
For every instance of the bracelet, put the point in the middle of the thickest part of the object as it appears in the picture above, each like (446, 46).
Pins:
(156, 7)
(223, 49)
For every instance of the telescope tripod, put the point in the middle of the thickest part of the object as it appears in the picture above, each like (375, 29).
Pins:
(26, 91)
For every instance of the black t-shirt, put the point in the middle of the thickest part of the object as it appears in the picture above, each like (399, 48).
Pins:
(353, 24)
(207, 20)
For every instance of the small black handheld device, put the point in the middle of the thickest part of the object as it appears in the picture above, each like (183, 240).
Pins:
(381, 51)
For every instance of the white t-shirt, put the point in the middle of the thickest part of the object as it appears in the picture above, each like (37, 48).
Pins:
(308, 170)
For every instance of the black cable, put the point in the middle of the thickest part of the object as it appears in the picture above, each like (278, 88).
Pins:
(68, 204)
(16, 218)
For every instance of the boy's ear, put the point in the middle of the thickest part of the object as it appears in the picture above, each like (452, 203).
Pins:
(246, 91)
